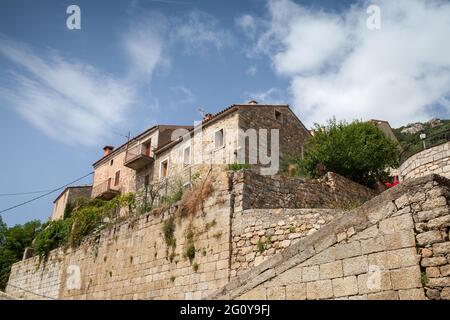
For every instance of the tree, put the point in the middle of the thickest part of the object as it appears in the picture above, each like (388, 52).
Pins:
(15, 240)
(359, 151)
(3, 229)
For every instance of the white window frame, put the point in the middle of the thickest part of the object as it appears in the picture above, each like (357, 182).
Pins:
(223, 139)
(188, 163)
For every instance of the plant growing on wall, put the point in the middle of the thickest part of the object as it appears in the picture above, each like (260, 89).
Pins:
(358, 150)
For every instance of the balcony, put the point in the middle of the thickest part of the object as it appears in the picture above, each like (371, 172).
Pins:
(138, 157)
(105, 190)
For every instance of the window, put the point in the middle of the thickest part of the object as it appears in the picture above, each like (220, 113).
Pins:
(278, 115)
(111, 162)
(117, 178)
(147, 148)
(163, 169)
(187, 156)
(218, 138)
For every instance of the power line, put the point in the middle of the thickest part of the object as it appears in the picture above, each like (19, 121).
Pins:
(35, 293)
(23, 193)
(46, 194)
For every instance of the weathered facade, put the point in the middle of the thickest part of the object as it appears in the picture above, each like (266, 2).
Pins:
(67, 196)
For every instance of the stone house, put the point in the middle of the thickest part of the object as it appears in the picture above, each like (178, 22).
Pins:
(175, 154)
(240, 134)
(68, 195)
(130, 166)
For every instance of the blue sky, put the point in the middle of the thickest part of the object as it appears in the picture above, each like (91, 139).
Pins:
(64, 93)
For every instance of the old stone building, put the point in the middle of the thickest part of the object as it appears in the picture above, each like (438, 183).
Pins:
(68, 195)
(241, 133)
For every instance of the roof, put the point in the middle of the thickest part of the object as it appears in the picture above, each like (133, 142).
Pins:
(225, 112)
(137, 137)
(71, 187)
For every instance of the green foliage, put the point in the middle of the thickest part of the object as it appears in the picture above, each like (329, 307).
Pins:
(238, 166)
(412, 144)
(190, 252)
(51, 236)
(423, 278)
(68, 210)
(291, 165)
(292, 228)
(261, 246)
(195, 266)
(13, 242)
(168, 231)
(358, 151)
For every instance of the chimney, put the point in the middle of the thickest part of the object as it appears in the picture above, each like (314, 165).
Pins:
(252, 102)
(207, 117)
(107, 150)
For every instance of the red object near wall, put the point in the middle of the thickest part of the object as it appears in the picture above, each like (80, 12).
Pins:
(394, 183)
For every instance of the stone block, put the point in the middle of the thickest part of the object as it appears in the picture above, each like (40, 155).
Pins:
(276, 293)
(345, 286)
(321, 289)
(348, 250)
(402, 258)
(296, 291)
(411, 294)
(291, 276)
(445, 270)
(439, 282)
(433, 294)
(433, 262)
(434, 203)
(401, 239)
(429, 237)
(370, 232)
(433, 213)
(395, 224)
(310, 273)
(384, 295)
(433, 272)
(441, 248)
(376, 280)
(426, 253)
(331, 270)
(406, 278)
(438, 223)
(373, 245)
(445, 294)
(354, 266)
(358, 297)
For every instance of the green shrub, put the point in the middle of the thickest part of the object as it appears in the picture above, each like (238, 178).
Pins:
(52, 236)
(168, 231)
(195, 266)
(359, 151)
(261, 246)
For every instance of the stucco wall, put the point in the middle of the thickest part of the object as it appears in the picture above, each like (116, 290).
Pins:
(433, 160)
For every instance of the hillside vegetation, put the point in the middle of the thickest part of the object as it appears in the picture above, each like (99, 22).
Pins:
(436, 131)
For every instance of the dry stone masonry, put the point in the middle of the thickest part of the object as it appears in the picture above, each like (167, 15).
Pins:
(395, 246)
(433, 160)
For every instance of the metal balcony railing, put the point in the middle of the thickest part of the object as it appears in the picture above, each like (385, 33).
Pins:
(105, 190)
(138, 156)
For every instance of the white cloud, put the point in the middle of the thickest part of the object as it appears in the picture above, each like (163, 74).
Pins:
(199, 31)
(182, 95)
(68, 100)
(337, 66)
(143, 43)
(271, 96)
(247, 23)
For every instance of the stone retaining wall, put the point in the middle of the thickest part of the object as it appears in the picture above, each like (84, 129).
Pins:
(395, 246)
(258, 234)
(433, 160)
(269, 192)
